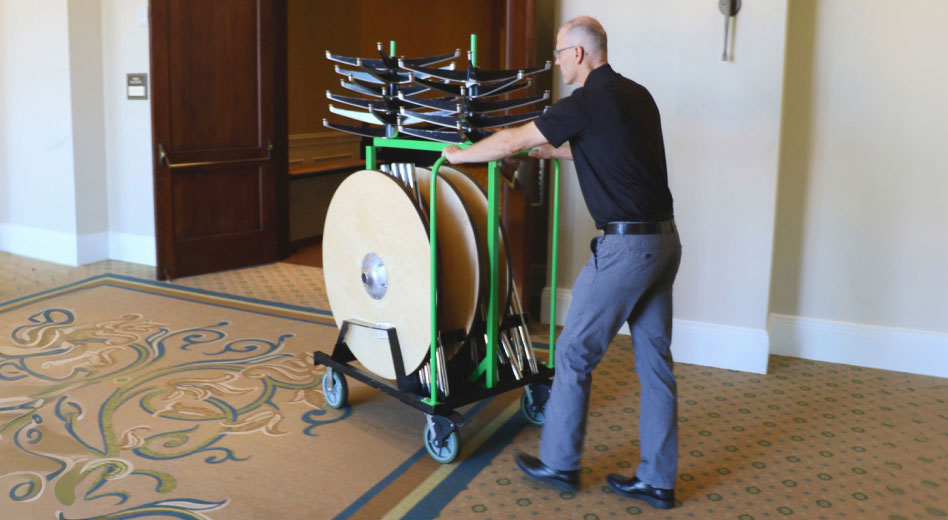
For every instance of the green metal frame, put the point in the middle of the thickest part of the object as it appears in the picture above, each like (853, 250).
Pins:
(488, 366)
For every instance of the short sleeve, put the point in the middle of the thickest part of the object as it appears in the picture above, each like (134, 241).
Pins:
(563, 120)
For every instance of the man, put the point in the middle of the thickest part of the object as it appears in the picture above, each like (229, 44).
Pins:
(611, 129)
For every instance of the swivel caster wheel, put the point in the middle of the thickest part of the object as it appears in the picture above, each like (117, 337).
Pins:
(442, 448)
(335, 388)
(533, 402)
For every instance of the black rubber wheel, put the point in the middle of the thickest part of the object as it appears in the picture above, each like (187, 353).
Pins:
(447, 451)
(335, 388)
(533, 403)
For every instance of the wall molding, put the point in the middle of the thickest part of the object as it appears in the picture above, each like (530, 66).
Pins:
(889, 348)
(129, 247)
(42, 244)
(74, 250)
(695, 342)
(92, 247)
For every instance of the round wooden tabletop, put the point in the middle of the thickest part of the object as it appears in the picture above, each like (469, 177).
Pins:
(376, 262)
(476, 198)
(461, 270)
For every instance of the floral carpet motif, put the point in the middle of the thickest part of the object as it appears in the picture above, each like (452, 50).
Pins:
(108, 411)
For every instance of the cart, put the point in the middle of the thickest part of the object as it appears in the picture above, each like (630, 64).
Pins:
(470, 381)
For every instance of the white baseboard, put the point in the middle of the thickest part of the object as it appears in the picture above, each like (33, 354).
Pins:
(903, 350)
(74, 250)
(137, 249)
(563, 297)
(694, 342)
(41, 244)
(92, 247)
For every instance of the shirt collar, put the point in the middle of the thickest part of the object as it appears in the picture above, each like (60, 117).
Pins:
(600, 76)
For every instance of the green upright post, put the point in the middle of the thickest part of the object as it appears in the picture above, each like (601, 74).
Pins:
(370, 158)
(473, 49)
(433, 238)
(492, 251)
(391, 48)
(556, 235)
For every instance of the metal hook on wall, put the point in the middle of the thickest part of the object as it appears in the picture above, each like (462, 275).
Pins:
(729, 8)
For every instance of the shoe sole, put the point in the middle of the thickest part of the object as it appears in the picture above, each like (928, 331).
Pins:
(652, 501)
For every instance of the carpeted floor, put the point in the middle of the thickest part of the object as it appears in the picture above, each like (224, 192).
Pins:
(126, 398)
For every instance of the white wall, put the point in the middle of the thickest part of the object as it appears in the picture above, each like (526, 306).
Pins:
(37, 179)
(861, 254)
(88, 129)
(721, 123)
(128, 133)
(75, 159)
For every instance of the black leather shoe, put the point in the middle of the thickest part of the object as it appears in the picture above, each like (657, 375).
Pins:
(537, 470)
(635, 488)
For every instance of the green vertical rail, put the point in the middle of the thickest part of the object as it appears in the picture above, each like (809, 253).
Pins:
(391, 48)
(492, 193)
(474, 50)
(433, 238)
(555, 246)
(370, 158)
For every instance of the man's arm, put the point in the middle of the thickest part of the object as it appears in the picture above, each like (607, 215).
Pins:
(502, 144)
(546, 151)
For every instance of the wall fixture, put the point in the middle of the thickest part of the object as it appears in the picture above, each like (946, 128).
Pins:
(729, 8)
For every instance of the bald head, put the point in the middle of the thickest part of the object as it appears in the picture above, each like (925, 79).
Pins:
(587, 32)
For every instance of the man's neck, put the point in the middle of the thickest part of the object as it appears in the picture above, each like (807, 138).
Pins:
(581, 79)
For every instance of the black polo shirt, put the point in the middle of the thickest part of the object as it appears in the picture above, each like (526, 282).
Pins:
(615, 133)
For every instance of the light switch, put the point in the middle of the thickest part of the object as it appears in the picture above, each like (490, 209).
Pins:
(137, 85)
(141, 16)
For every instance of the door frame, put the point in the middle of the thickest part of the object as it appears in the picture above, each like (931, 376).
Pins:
(281, 129)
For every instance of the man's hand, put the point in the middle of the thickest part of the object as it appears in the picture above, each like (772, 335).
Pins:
(544, 151)
(452, 154)
(547, 151)
(509, 167)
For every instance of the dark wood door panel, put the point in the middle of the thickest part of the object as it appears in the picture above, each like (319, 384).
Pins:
(220, 253)
(217, 201)
(218, 58)
(214, 90)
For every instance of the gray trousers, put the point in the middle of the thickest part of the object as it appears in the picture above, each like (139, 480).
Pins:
(628, 279)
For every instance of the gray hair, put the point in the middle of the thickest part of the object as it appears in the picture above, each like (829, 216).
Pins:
(588, 32)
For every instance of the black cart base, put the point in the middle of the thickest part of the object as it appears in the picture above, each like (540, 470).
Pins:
(441, 431)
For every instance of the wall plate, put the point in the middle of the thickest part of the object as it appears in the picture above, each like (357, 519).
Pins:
(137, 86)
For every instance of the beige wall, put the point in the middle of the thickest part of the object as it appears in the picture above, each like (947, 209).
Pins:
(128, 144)
(35, 116)
(864, 173)
(88, 122)
(37, 180)
(861, 248)
(721, 122)
(75, 161)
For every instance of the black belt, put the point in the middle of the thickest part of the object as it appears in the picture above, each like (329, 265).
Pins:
(638, 228)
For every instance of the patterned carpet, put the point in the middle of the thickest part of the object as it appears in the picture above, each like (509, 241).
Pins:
(124, 398)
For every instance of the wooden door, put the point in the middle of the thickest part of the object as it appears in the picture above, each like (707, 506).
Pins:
(218, 132)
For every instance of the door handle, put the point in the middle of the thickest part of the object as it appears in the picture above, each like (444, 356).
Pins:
(163, 159)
